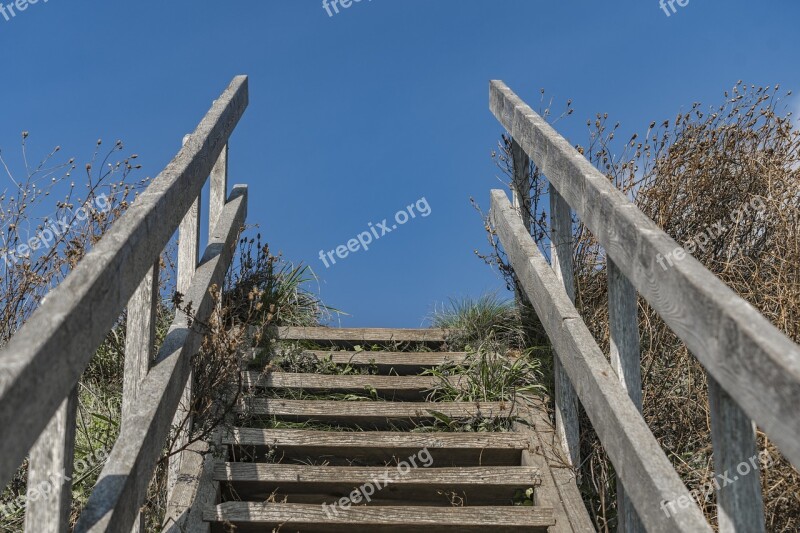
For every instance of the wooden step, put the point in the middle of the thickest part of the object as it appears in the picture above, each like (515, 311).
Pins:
(369, 412)
(402, 363)
(363, 335)
(252, 517)
(391, 387)
(416, 479)
(379, 447)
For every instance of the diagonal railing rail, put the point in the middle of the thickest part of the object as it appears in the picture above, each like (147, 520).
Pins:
(754, 369)
(41, 365)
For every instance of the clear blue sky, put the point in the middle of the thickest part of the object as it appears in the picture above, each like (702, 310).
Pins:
(355, 116)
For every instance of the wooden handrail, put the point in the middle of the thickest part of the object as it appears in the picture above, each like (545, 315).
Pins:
(751, 359)
(754, 369)
(637, 457)
(41, 365)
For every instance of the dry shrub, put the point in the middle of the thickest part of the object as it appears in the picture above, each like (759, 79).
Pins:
(728, 180)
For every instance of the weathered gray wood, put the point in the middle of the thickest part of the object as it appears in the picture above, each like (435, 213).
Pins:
(558, 489)
(749, 357)
(520, 186)
(367, 412)
(140, 337)
(376, 335)
(382, 447)
(405, 387)
(218, 189)
(188, 255)
(264, 516)
(122, 486)
(194, 491)
(623, 321)
(566, 401)
(417, 482)
(637, 457)
(740, 504)
(396, 362)
(49, 497)
(47, 356)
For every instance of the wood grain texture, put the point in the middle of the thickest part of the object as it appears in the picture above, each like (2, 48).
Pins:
(140, 337)
(740, 504)
(262, 516)
(749, 357)
(194, 491)
(423, 484)
(355, 412)
(375, 335)
(566, 401)
(47, 356)
(403, 363)
(558, 489)
(637, 457)
(49, 495)
(387, 386)
(381, 447)
(218, 189)
(122, 486)
(188, 255)
(625, 355)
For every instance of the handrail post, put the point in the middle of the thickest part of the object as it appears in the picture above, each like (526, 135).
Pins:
(140, 344)
(49, 496)
(740, 504)
(188, 257)
(566, 401)
(218, 193)
(623, 324)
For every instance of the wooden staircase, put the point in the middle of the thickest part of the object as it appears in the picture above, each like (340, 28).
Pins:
(319, 480)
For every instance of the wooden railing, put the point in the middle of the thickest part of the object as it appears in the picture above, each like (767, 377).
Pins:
(753, 368)
(41, 365)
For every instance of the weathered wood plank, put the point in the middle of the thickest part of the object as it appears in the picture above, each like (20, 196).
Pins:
(194, 491)
(366, 412)
(218, 191)
(376, 335)
(415, 480)
(749, 357)
(520, 186)
(188, 255)
(637, 457)
(49, 497)
(263, 516)
(558, 489)
(623, 323)
(140, 337)
(403, 363)
(382, 447)
(740, 504)
(398, 387)
(47, 356)
(566, 401)
(122, 486)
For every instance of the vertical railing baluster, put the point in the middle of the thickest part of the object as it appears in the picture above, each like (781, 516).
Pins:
(567, 423)
(218, 194)
(49, 496)
(188, 257)
(140, 344)
(740, 504)
(623, 322)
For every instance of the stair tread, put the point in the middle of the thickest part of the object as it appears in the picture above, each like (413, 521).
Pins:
(405, 518)
(284, 473)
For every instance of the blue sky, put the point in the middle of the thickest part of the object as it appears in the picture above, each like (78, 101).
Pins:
(356, 116)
